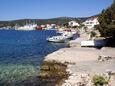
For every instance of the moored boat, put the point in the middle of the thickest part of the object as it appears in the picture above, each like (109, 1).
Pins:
(67, 30)
(61, 38)
(67, 35)
(27, 27)
(57, 39)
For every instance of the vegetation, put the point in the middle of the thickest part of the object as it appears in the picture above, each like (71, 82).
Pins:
(93, 34)
(21, 22)
(107, 22)
(58, 21)
(99, 80)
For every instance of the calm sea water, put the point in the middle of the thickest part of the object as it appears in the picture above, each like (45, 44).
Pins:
(21, 53)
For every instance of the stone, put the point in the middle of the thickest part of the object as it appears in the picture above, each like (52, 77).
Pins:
(53, 72)
(45, 68)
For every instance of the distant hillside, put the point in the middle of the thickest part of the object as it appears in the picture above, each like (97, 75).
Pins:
(58, 21)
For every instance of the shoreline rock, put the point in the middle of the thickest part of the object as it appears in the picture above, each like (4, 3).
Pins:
(81, 65)
(53, 73)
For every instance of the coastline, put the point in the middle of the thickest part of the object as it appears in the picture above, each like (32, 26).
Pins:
(21, 54)
(52, 73)
(83, 62)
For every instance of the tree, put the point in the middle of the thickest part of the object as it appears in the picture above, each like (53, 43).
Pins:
(107, 21)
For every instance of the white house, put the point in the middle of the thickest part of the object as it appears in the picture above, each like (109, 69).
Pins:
(53, 25)
(73, 24)
(50, 26)
(91, 22)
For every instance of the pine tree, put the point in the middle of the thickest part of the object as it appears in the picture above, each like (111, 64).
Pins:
(107, 21)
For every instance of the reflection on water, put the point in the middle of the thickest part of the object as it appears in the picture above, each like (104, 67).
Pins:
(21, 53)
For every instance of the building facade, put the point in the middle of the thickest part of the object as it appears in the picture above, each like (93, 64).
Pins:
(91, 22)
(73, 24)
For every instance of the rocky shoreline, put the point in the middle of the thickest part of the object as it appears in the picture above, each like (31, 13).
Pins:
(53, 73)
(78, 66)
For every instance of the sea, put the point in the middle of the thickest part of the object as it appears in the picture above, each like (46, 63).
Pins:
(22, 53)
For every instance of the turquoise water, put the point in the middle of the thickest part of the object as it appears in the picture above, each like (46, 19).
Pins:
(21, 53)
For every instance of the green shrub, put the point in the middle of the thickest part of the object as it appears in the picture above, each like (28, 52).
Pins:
(93, 34)
(99, 80)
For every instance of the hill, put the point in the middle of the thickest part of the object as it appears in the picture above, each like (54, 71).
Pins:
(58, 21)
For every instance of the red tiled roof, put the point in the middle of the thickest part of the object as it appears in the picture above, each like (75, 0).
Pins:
(92, 18)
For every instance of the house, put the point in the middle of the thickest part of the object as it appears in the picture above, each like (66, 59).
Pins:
(73, 24)
(50, 26)
(53, 25)
(91, 22)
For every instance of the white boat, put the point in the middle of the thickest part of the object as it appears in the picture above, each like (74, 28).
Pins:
(68, 31)
(27, 27)
(61, 38)
(67, 35)
(93, 43)
(73, 32)
(56, 39)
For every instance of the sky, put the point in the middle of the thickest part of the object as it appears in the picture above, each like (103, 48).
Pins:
(45, 9)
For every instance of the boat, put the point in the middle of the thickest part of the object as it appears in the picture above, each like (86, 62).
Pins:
(38, 28)
(61, 38)
(27, 27)
(67, 35)
(93, 43)
(67, 30)
(57, 39)
(73, 32)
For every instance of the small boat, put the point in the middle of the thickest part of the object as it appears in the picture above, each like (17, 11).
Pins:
(61, 38)
(73, 32)
(27, 27)
(57, 39)
(67, 30)
(67, 35)
(38, 28)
